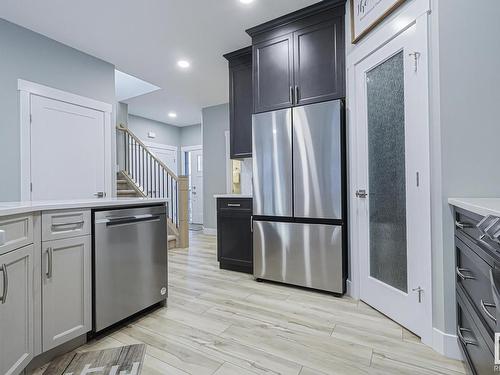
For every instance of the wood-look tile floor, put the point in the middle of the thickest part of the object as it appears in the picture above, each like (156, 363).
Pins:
(224, 323)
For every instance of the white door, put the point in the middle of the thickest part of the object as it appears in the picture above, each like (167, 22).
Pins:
(167, 155)
(67, 150)
(393, 170)
(196, 186)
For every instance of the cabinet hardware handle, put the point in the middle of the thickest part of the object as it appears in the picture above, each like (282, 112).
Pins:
(463, 339)
(2, 237)
(291, 94)
(68, 224)
(484, 306)
(49, 262)
(251, 223)
(460, 273)
(234, 205)
(461, 225)
(3, 299)
(296, 94)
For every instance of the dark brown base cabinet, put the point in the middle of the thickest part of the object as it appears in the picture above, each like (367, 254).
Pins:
(477, 312)
(234, 234)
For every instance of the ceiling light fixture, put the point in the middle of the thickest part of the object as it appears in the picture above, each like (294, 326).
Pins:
(172, 114)
(184, 64)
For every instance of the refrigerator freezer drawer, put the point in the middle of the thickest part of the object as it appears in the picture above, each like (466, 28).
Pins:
(317, 160)
(308, 255)
(272, 163)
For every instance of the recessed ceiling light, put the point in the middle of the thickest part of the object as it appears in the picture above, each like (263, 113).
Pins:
(172, 114)
(184, 64)
(246, 1)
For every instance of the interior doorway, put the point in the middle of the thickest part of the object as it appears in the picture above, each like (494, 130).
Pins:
(392, 190)
(192, 158)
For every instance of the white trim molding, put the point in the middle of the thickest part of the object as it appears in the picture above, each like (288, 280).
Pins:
(26, 90)
(185, 149)
(446, 344)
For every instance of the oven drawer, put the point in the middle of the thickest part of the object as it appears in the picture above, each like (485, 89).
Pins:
(57, 225)
(473, 274)
(477, 349)
(17, 232)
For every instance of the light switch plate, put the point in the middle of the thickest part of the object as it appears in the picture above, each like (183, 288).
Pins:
(151, 135)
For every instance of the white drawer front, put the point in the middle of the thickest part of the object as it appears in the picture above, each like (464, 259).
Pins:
(65, 224)
(17, 231)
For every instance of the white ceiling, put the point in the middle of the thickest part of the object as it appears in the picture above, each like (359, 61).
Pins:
(145, 38)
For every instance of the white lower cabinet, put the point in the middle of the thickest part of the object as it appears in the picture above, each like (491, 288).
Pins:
(16, 310)
(66, 290)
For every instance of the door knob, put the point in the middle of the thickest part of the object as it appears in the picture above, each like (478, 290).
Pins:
(361, 193)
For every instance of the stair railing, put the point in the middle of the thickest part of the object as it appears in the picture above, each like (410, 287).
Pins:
(155, 179)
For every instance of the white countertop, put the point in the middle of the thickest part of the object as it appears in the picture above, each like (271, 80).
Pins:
(480, 206)
(13, 208)
(232, 196)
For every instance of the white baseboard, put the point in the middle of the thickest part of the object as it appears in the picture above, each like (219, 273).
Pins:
(446, 344)
(210, 231)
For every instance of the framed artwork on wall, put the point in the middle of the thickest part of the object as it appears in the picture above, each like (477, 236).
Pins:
(367, 14)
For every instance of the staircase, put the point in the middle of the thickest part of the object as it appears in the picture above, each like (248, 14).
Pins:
(143, 175)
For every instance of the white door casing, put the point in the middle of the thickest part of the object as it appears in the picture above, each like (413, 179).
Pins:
(75, 111)
(402, 306)
(196, 186)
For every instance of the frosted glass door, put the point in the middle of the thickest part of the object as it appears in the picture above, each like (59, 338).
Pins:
(386, 172)
(392, 201)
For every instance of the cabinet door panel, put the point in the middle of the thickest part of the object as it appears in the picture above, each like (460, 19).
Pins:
(235, 239)
(318, 62)
(241, 110)
(16, 313)
(273, 74)
(66, 290)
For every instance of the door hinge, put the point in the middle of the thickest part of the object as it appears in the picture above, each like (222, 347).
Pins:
(31, 119)
(418, 179)
(31, 186)
(416, 57)
(419, 290)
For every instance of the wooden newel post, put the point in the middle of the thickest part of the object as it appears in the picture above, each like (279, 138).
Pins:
(183, 212)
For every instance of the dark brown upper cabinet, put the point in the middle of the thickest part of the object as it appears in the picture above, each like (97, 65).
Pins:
(273, 74)
(299, 58)
(240, 103)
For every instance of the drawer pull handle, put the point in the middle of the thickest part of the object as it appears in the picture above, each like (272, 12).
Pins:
(463, 339)
(69, 224)
(461, 225)
(49, 262)
(460, 273)
(484, 306)
(234, 205)
(3, 299)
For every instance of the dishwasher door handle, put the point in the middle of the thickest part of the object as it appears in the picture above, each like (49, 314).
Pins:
(128, 220)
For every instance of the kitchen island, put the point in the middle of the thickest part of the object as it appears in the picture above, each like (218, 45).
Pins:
(48, 269)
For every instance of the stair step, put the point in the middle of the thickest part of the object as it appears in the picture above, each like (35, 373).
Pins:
(171, 237)
(123, 182)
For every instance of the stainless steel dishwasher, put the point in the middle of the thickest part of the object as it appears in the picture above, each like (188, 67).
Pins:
(130, 262)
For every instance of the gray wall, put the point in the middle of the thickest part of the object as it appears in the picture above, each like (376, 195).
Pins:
(33, 57)
(215, 121)
(469, 96)
(191, 135)
(165, 134)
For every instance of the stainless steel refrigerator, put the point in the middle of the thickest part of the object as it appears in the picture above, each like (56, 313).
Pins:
(299, 201)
